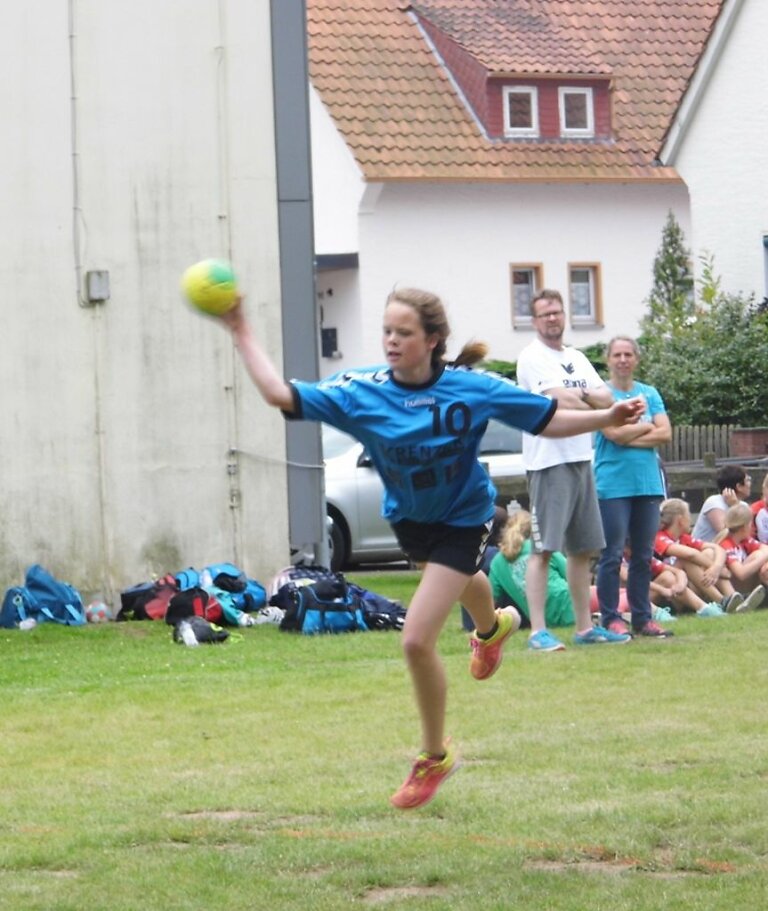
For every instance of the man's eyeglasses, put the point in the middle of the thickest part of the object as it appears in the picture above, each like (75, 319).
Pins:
(548, 314)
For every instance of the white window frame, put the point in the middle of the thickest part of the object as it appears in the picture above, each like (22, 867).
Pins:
(594, 316)
(535, 270)
(582, 132)
(533, 93)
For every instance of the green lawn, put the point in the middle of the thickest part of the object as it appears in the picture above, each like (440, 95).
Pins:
(139, 775)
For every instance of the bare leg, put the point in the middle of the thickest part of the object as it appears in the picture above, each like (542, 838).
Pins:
(477, 597)
(714, 592)
(440, 588)
(579, 572)
(536, 584)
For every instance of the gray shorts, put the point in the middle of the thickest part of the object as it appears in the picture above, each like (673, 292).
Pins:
(564, 511)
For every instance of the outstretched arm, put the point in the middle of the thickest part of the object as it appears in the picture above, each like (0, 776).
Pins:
(273, 388)
(566, 422)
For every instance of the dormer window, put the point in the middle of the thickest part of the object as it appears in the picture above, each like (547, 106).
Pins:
(577, 117)
(521, 111)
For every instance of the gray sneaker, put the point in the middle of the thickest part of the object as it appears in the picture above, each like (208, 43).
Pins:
(753, 600)
(732, 603)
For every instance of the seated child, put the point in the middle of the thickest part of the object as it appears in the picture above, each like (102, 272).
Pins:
(702, 561)
(669, 588)
(507, 575)
(746, 557)
(760, 515)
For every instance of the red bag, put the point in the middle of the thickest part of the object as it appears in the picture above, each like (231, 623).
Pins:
(194, 602)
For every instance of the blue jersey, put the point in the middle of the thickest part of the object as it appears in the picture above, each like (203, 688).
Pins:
(424, 439)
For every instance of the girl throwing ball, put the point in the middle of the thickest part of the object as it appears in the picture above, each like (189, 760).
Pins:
(421, 418)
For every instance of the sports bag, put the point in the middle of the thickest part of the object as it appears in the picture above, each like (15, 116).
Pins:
(325, 606)
(42, 598)
(147, 601)
(379, 612)
(199, 630)
(193, 602)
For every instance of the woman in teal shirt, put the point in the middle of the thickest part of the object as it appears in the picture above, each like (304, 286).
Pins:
(630, 488)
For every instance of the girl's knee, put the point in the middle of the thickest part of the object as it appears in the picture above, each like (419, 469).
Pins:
(417, 647)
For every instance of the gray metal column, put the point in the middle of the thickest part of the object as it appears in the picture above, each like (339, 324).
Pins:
(306, 497)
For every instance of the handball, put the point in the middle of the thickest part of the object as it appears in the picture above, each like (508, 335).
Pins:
(97, 612)
(210, 286)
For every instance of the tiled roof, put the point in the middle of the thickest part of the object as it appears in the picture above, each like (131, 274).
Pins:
(392, 98)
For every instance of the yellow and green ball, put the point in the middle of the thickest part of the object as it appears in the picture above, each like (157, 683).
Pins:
(210, 286)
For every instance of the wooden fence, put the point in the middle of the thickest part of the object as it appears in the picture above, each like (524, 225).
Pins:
(689, 444)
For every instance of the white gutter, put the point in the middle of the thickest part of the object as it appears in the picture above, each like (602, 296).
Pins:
(704, 72)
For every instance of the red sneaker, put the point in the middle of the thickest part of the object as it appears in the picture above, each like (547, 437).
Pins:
(426, 776)
(487, 653)
(619, 627)
(653, 631)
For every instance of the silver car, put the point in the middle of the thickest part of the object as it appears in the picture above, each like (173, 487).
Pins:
(353, 492)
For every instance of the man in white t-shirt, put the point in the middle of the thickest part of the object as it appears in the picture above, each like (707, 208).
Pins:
(564, 512)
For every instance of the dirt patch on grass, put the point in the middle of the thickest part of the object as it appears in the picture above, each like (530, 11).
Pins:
(611, 868)
(394, 893)
(222, 815)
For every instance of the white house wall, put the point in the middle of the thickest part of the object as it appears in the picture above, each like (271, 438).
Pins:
(337, 186)
(132, 444)
(459, 241)
(723, 154)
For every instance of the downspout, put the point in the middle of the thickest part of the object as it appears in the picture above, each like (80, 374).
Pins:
(106, 582)
(232, 388)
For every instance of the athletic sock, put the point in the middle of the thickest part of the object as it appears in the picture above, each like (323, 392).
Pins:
(491, 632)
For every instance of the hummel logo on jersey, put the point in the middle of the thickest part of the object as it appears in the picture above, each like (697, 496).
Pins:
(568, 368)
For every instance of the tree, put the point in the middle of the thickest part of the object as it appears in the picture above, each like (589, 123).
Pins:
(707, 359)
(671, 301)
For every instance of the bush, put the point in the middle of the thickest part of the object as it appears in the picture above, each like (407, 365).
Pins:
(709, 370)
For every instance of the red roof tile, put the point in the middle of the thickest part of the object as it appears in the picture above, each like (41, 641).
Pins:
(397, 107)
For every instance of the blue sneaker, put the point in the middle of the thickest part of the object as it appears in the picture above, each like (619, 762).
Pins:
(663, 615)
(710, 610)
(544, 641)
(599, 636)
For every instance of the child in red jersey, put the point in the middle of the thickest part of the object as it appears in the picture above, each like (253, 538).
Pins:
(746, 557)
(702, 561)
(669, 587)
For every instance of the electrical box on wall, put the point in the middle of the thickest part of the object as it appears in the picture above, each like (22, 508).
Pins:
(329, 343)
(96, 286)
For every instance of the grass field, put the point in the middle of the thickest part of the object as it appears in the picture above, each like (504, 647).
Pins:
(139, 774)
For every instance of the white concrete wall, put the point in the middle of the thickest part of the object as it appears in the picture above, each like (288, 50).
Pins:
(459, 240)
(723, 158)
(117, 422)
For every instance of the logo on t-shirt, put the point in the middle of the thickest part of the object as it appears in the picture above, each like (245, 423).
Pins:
(569, 368)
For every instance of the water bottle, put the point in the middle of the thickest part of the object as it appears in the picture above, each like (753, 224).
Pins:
(187, 634)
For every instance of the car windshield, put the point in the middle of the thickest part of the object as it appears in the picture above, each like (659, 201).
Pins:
(336, 443)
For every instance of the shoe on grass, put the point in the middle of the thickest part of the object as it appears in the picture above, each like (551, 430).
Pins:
(619, 627)
(652, 630)
(544, 641)
(600, 636)
(753, 600)
(426, 776)
(710, 610)
(663, 615)
(487, 653)
(731, 603)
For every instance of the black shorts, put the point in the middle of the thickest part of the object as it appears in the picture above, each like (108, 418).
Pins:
(458, 547)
